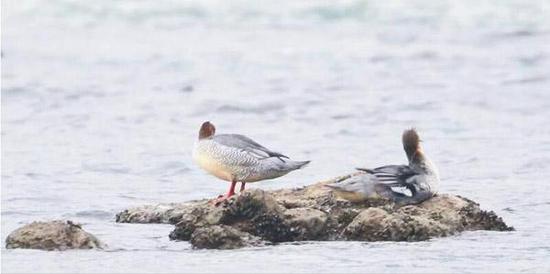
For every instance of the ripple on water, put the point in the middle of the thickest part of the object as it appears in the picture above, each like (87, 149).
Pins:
(93, 214)
(526, 80)
(251, 109)
(113, 168)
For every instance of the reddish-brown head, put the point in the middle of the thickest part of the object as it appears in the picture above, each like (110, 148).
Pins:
(207, 130)
(411, 143)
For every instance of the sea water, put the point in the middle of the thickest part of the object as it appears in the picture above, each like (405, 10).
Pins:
(102, 101)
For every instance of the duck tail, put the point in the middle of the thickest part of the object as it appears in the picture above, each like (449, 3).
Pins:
(297, 164)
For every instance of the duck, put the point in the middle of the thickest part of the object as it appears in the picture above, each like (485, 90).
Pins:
(237, 158)
(408, 184)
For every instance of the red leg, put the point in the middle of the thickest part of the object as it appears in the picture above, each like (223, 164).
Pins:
(242, 186)
(230, 193)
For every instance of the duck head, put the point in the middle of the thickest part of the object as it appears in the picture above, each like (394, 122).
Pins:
(207, 130)
(411, 143)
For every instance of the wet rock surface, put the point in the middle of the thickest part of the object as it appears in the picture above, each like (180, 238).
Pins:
(256, 217)
(223, 237)
(52, 235)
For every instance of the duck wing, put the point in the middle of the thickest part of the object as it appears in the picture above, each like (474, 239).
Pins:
(393, 175)
(247, 145)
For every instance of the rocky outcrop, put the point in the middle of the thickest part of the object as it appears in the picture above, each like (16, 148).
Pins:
(257, 217)
(53, 235)
(223, 237)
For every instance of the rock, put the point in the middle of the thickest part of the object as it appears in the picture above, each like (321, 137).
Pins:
(161, 213)
(52, 235)
(312, 213)
(255, 212)
(223, 237)
(309, 223)
(376, 224)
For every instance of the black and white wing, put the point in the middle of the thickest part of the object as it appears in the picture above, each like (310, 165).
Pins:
(394, 175)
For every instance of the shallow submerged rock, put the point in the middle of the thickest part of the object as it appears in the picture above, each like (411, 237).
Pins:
(256, 217)
(52, 235)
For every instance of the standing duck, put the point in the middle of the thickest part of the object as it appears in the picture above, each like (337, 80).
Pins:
(237, 158)
(420, 177)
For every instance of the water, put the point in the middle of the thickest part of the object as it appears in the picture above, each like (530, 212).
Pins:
(102, 100)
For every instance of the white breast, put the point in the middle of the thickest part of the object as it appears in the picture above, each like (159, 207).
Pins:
(206, 161)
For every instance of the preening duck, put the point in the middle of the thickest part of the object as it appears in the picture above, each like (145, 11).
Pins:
(420, 177)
